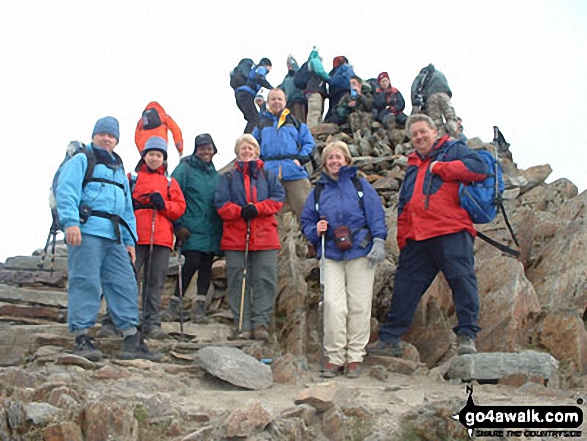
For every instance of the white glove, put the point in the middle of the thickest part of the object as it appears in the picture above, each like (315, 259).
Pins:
(377, 253)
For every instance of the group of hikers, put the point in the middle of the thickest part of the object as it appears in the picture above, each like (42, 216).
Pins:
(117, 224)
(351, 98)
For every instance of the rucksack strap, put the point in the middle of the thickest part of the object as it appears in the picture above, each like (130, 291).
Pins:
(108, 181)
(116, 221)
(503, 248)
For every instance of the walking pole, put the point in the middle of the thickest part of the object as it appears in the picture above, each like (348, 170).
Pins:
(322, 276)
(149, 264)
(244, 281)
(180, 289)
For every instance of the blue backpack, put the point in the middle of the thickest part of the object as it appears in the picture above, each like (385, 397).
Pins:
(482, 199)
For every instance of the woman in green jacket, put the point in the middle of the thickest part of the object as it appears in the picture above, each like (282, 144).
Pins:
(199, 230)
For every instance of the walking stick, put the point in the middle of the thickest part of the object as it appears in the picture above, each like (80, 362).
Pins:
(244, 281)
(322, 276)
(149, 264)
(180, 289)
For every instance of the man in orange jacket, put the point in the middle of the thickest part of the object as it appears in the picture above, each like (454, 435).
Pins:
(155, 122)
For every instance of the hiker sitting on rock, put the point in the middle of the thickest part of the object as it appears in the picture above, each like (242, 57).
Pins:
(247, 199)
(355, 107)
(100, 227)
(388, 103)
(156, 122)
(434, 234)
(347, 214)
(199, 230)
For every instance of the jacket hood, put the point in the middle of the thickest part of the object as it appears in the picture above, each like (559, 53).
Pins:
(251, 167)
(157, 106)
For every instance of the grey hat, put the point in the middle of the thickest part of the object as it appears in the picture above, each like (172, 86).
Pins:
(204, 139)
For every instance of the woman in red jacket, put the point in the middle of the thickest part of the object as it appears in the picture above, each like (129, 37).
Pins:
(247, 199)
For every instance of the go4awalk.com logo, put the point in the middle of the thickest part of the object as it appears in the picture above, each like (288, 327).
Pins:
(520, 421)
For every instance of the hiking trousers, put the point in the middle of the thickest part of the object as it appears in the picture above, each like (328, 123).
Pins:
(260, 290)
(315, 109)
(100, 265)
(440, 109)
(348, 294)
(152, 288)
(246, 104)
(419, 263)
(200, 262)
(296, 193)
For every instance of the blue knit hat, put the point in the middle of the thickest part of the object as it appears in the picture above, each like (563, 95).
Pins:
(155, 143)
(109, 125)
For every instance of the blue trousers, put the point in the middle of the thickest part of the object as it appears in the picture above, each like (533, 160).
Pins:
(100, 265)
(419, 263)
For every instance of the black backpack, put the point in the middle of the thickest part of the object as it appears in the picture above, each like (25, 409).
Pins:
(240, 74)
(302, 76)
(151, 119)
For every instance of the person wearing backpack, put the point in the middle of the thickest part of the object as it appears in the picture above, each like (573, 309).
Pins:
(247, 199)
(431, 95)
(245, 94)
(199, 230)
(296, 101)
(156, 122)
(339, 83)
(311, 78)
(286, 145)
(348, 211)
(100, 231)
(434, 233)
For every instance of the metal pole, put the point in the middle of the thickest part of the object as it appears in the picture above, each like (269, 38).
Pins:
(244, 280)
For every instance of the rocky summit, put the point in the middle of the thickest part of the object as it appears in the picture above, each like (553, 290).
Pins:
(532, 347)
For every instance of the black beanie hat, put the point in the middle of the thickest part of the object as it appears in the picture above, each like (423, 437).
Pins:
(265, 62)
(204, 139)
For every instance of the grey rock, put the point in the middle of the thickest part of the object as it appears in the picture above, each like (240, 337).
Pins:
(32, 296)
(496, 365)
(32, 263)
(40, 413)
(236, 367)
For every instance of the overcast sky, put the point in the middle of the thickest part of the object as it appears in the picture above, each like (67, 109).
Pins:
(519, 64)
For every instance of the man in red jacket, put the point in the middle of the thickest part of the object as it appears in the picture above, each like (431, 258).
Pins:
(434, 234)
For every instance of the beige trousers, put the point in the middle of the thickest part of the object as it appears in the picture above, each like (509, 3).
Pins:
(315, 109)
(348, 294)
(296, 193)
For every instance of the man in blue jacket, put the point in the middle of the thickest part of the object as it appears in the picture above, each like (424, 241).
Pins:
(245, 95)
(100, 231)
(286, 145)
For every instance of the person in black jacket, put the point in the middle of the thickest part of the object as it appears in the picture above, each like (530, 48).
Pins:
(245, 95)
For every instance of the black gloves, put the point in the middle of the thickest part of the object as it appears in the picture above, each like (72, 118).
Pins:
(249, 212)
(157, 201)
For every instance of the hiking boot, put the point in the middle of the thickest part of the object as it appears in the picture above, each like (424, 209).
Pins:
(155, 333)
(465, 345)
(199, 312)
(171, 314)
(240, 335)
(331, 370)
(354, 369)
(134, 348)
(85, 348)
(388, 349)
(107, 331)
(261, 333)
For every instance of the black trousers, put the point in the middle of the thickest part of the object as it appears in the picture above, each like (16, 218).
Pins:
(200, 262)
(246, 104)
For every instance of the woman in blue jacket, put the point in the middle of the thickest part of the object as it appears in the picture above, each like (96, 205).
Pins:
(348, 211)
